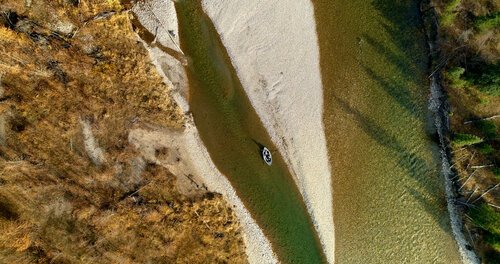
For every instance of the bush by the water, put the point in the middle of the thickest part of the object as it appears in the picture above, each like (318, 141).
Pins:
(485, 217)
(454, 76)
(488, 22)
(496, 171)
(461, 140)
(485, 78)
(492, 257)
(488, 128)
(493, 240)
(449, 14)
(485, 148)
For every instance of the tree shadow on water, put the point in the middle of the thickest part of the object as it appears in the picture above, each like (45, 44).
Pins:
(409, 160)
(401, 76)
(397, 91)
(402, 47)
(434, 207)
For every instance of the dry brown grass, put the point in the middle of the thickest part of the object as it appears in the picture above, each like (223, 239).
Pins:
(59, 65)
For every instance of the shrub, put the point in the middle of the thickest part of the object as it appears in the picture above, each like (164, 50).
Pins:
(485, 148)
(484, 100)
(492, 257)
(489, 83)
(493, 240)
(496, 171)
(449, 15)
(461, 140)
(486, 218)
(488, 128)
(485, 78)
(488, 22)
(454, 76)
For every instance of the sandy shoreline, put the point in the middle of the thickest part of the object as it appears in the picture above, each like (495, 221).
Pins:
(195, 157)
(190, 157)
(440, 114)
(278, 66)
(274, 49)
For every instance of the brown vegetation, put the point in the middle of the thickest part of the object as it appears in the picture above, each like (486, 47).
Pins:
(69, 62)
(469, 42)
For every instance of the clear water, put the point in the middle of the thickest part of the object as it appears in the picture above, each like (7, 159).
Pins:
(389, 203)
(234, 135)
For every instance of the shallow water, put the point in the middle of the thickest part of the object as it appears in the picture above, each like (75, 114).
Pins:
(389, 203)
(233, 135)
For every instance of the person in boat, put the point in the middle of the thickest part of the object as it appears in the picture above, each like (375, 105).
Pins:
(266, 156)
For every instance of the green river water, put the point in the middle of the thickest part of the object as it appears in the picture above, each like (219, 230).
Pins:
(233, 135)
(389, 203)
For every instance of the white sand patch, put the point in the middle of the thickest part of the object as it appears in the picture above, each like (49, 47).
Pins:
(160, 18)
(273, 46)
(193, 157)
(174, 157)
(64, 27)
(94, 152)
(190, 162)
(173, 74)
(258, 247)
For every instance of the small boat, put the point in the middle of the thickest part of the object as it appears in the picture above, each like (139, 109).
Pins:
(266, 156)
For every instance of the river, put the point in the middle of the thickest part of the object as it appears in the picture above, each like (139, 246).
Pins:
(389, 202)
(234, 135)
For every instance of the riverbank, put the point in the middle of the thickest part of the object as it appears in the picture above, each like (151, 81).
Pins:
(258, 247)
(464, 75)
(438, 104)
(388, 196)
(277, 62)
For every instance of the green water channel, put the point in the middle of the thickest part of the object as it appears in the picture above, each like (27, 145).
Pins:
(389, 203)
(233, 135)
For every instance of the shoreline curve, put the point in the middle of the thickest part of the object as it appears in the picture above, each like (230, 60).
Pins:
(279, 42)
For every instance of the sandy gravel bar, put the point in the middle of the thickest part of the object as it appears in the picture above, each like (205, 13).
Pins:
(274, 48)
(194, 155)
